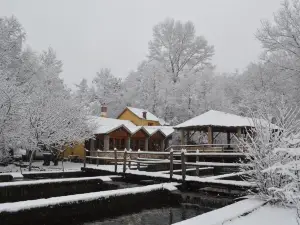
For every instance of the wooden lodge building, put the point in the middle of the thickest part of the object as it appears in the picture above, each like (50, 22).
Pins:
(134, 129)
(139, 129)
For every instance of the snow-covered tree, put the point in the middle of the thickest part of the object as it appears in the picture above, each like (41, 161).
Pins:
(107, 91)
(177, 48)
(11, 38)
(282, 36)
(37, 111)
(273, 153)
(53, 119)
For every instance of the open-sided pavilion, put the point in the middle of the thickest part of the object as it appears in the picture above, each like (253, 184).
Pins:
(213, 123)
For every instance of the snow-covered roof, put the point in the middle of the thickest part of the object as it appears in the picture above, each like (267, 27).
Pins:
(139, 113)
(103, 125)
(221, 119)
(151, 129)
(138, 128)
(166, 130)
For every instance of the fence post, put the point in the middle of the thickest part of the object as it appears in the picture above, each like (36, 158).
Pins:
(129, 162)
(183, 165)
(171, 164)
(97, 157)
(138, 163)
(125, 157)
(116, 159)
(84, 158)
(197, 160)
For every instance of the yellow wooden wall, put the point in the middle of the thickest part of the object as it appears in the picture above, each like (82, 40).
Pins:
(128, 115)
(78, 149)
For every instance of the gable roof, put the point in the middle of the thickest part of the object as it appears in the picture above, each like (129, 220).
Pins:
(139, 113)
(103, 125)
(221, 119)
(166, 130)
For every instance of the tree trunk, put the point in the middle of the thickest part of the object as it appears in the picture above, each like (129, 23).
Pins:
(31, 159)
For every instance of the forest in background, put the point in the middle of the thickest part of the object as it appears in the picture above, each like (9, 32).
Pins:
(177, 80)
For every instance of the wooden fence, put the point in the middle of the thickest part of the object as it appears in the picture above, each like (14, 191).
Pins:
(128, 157)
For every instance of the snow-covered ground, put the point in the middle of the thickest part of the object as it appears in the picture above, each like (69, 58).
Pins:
(229, 215)
(246, 212)
(267, 215)
(38, 166)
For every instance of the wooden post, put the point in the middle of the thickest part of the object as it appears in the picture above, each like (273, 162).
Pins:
(146, 144)
(106, 142)
(124, 164)
(171, 164)
(182, 137)
(239, 132)
(116, 160)
(84, 158)
(127, 143)
(210, 136)
(228, 139)
(129, 162)
(197, 160)
(183, 165)
(138, 163)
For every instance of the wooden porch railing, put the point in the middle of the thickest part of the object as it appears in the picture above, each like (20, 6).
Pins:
(205, 147)
(167, 158)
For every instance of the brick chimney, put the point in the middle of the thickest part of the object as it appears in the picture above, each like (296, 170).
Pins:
(103, 111)
(145, 115)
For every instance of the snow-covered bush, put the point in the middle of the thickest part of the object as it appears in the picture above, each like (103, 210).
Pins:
(273, 153)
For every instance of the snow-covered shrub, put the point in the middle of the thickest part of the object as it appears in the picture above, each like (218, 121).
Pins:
(273, 153)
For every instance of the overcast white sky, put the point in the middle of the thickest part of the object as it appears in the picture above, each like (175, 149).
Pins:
(90, 34)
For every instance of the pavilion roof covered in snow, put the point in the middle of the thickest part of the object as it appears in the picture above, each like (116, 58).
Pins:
(220, 121)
